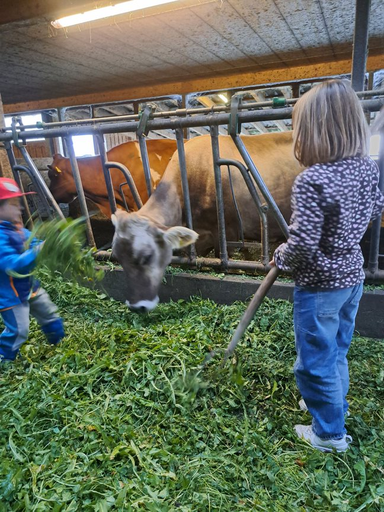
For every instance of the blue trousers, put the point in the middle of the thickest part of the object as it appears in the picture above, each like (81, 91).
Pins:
(16, 321)
(324, 322)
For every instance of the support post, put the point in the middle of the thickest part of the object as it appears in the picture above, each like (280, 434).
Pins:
(360, 44)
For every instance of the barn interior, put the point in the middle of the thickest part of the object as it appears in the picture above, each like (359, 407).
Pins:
(149, 412)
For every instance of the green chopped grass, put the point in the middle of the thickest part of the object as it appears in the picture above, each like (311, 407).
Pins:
(120, 418)
(64, 251)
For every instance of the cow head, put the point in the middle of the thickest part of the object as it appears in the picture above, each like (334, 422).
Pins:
(62, 185)
(144, 249)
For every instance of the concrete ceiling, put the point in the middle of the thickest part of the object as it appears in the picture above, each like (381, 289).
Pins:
(199, 39)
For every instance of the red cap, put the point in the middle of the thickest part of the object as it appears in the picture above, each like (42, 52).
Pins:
(9, 188)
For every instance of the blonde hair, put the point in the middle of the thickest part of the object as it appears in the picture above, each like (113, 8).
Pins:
(329, 124)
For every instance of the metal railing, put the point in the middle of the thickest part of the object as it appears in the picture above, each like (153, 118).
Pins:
(178, 120)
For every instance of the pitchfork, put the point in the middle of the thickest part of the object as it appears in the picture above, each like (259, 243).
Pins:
(253, 306)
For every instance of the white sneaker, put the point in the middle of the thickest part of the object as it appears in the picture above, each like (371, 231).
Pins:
(324, 445)
(303, 407)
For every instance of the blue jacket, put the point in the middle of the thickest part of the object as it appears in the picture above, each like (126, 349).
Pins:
(14, 258)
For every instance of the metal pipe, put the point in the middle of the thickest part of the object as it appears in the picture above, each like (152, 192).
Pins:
(171, 124)
(146, 166)
(260, 208)
(216, 264)
(260, 183)
(107, 175)
(44, 200)
(360, 44)
(80, 191)
(130, 182)
(219, 197)
(184, 183)
(12, 160)
(181, 112)
(40, 181)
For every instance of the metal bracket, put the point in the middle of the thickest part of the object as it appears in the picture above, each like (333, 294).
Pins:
(144, 116)
(234, 126)
(15, 133)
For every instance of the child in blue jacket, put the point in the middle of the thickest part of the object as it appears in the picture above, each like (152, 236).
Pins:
(20, 296)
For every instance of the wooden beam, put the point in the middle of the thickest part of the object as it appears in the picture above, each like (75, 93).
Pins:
(236, 80)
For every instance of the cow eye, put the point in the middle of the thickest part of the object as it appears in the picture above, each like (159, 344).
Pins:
(146, 260)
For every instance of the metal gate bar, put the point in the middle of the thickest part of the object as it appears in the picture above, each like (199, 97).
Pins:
(262, 209)
(42, 186)
(184, 183)
(146, 166)
(261, 185)
(107, 175)
(16, 175)
(129, 182)
(80, 191)
(219, 198)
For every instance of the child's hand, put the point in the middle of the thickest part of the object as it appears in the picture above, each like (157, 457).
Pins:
(39, 246)
(272, 263)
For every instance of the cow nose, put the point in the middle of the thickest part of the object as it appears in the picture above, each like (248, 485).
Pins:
(143, 306)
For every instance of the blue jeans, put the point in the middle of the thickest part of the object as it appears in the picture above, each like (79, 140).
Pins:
(324, 322)
(16, 322)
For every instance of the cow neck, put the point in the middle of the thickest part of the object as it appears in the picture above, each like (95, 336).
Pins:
(164, 205)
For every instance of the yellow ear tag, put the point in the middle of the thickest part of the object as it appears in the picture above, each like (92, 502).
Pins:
(57, 169)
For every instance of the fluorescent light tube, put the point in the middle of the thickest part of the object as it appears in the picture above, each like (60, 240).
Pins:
(105, 12)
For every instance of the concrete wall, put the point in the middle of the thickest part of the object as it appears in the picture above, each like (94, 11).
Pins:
(369, 322)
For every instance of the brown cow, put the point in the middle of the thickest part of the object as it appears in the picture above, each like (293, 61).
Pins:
(63, 186)
(144, 240)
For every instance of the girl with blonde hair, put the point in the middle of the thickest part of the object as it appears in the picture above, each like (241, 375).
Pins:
(333, 201)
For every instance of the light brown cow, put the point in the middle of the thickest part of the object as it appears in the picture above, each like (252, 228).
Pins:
(144, 240)
(63, 186)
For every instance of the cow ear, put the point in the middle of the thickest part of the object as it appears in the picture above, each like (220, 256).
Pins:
(115, 217)
(179, 236)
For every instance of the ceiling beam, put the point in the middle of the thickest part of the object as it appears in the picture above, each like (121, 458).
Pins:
(281, 126)
(199, 131)
(259, 126)
(260, 78)
(206, 101)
